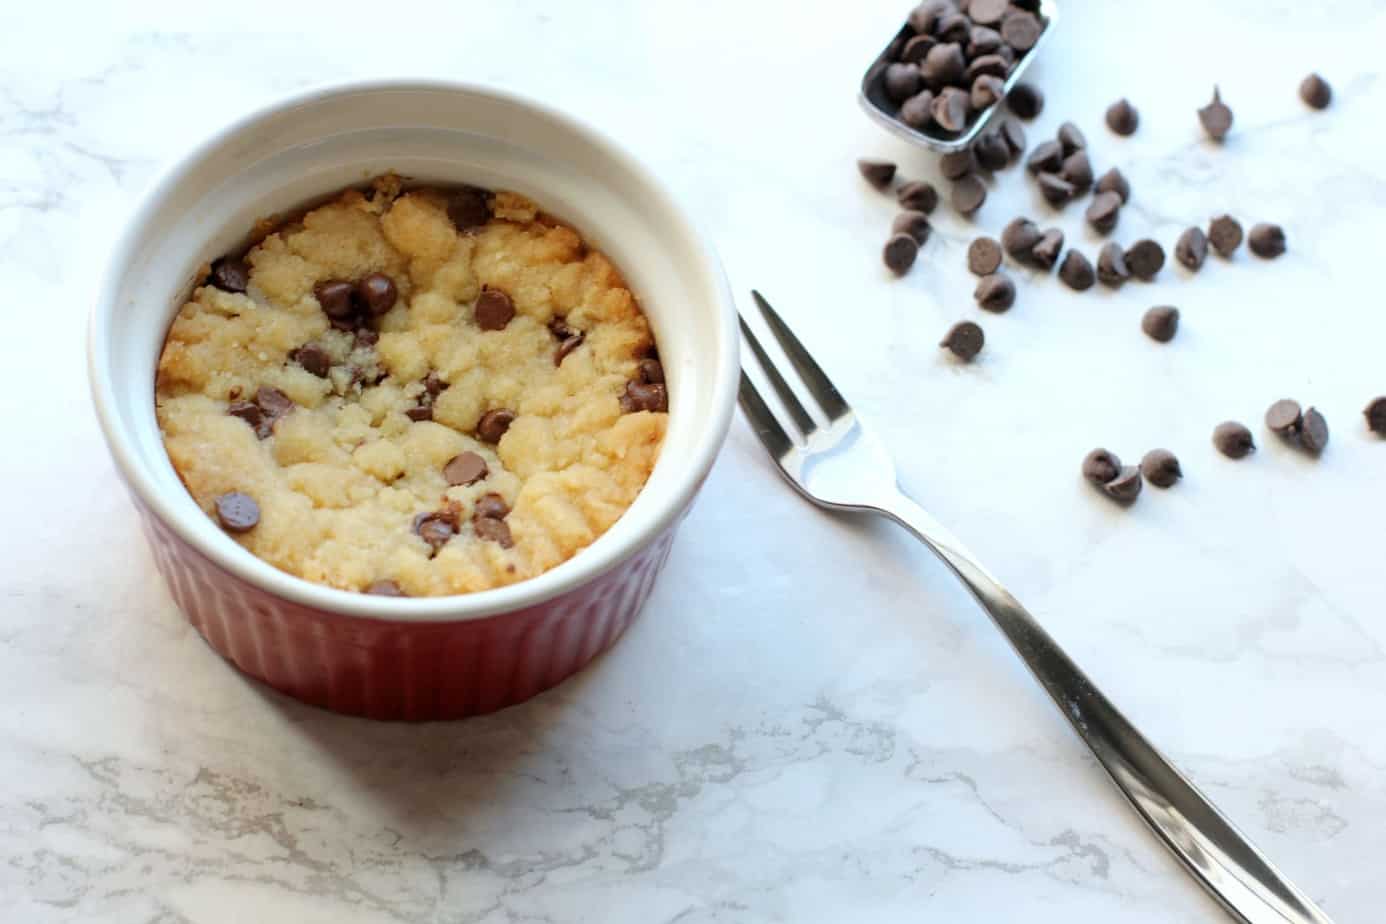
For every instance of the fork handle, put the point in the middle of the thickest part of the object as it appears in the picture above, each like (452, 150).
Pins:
(1218, 855)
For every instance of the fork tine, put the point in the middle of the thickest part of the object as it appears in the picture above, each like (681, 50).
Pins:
(791, 401)
(829, 398)
(763, 420)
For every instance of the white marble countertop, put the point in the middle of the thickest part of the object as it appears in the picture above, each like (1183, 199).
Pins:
(776, 740)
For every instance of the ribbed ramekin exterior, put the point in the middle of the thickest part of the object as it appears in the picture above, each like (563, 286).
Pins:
(398, 670)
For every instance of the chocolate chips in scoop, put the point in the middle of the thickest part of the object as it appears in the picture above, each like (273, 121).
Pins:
(964, 340)
(950, 109)
(237, 512)
(902, 80)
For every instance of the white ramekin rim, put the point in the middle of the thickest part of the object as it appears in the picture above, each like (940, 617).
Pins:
(586, 566)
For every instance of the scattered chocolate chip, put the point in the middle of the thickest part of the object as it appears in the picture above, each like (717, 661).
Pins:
(1233, 439)
(1123, 118)
(956, 164)
(950, 109)
(377, 292)
(987, 12)
(983, 256)
(917, 196)
(968, 194)
(915, 224)
(918, 111)
(943, 65)
(334, 296)
(273, 401)
(436, 528)
(1071, 139)
(1077, 169)
(982, 40)
(468, 208)
(1101, 466)
(1076, 271)
(313, 358)
(1025, 100)
(964, 340)
(1104, 210)
(1191, 249)
(1161, 468)
(237, 512)
(385, 588)
(1266, 240)
(1315, 92)
(251, 413)
(899, 253)
(465, 468)
(491, 505)
(991, 151)
(493, 530)
(1284, 416)
(1160, 323)
(1021, 30)
(986, 91)
(916, 48)
(1046, 251)
(642, 396)
(878, 173)
(1225, 234)
(995, 292)
(1216, 117)
(419, 412)
(1145, 258)
(493, 424)
(902, 80)
(1111, 265)
(230, 274)
(1047, 157)
(1014, 135)
(1375, 412)
(1114, 182)
(493, 310)
(1055, 189)
(1125, 487)
(1019, 238)
(1313, 431)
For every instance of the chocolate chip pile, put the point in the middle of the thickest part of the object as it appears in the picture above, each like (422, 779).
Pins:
(951, 60)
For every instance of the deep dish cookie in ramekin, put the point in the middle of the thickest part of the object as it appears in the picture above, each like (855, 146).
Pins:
(416, 657)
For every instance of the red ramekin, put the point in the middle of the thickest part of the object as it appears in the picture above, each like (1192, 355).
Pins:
(401, 658)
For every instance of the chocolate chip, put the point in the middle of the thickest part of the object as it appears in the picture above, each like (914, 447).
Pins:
(995, 292)
(1111, 265)
(365, 337)
(273, 401)
(899, 253)
(1101, 466)
(1225, 234)
(991, 151)
(1161, 468)
(964, 340)
(950, 109)
(1071, 139)
(968, 194)
(468, 208)
(493, 309)
(1375, 412)
(915, 224)
(918, 196)
(1160, 323)
(925, 16)
(1145, 258)
(334, 296)
(1123, 118)
(902, 80)
(1025, 100)
(313, 358)
(465, 468)
(1266, 240)
(916, 48)
(953, 27)
(1315, 92)
(251, 413)
(987, 89)
(918, 111)
(956, 164)
(878, 173)
(1233, 439)
(1076, 271)
(640, 396)
(237, 512)
(377, 292)
(1055, 189)
(1021, 30)
(982, 40)
(230, 274)
(651, 372)
(385, 588)
(1125, 487)
(1284, 416)
(493, 530)
(1216, 117)
(491, 505)
(1313, 431)
(992, 65)
(1191, 249)
(943, 65)
(493, 424)
(434, 385)
(1046, 251)
(983, 256)
(435, 528)
(1019, 237)
(1047, 157)
(1077, 170)
(1114, 182)
(419, 412)
(569, 339)
(1014, 136)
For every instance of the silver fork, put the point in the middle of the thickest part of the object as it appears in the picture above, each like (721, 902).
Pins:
(840, 464)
